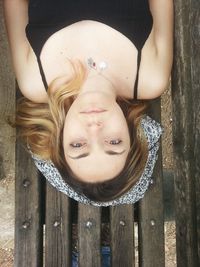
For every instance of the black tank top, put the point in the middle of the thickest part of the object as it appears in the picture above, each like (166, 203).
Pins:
(130, 17)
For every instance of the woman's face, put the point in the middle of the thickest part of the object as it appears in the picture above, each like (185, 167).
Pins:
(96, 139)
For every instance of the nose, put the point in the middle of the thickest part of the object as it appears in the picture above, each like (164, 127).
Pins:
(94, 124)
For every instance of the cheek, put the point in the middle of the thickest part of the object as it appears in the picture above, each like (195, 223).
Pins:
(71, 127)
(119, 122)
(71, 132)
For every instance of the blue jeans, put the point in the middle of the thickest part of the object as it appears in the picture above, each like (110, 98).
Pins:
(105, 252)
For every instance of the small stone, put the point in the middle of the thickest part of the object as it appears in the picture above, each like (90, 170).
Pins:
(153, 223)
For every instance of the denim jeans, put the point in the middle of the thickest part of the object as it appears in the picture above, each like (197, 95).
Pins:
(105, 253)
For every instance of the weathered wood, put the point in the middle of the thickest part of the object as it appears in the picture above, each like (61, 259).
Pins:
(195, 72)
(122, 236)
(151, 214)
(28, 224)
(186, 126)
(7, 105)
(186, 129)
(89, 231)
(57, 229)
(168, 194)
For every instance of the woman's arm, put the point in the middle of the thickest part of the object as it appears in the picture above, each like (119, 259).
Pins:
(24, 61)
(158, 61)
(16, 19)
(162, 12)
(163, 17)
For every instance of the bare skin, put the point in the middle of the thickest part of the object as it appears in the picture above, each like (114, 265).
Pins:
(96, 133)
(94, 130)
(156, 54)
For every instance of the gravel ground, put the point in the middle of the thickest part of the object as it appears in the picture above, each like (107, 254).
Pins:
(166, 118)
(7, 199)
(170, 244)
(167, 151)
(6, 222)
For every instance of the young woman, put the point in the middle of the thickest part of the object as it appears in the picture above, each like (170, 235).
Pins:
(86, 69)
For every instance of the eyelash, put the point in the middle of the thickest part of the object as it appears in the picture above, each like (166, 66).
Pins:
(111, 142)
(76, 145)
(116, 142)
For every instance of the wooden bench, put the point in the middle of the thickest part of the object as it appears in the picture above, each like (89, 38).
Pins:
(39, 204)
(45, 217)
(36, 199)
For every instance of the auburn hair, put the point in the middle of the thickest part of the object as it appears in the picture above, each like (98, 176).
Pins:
(41, 128)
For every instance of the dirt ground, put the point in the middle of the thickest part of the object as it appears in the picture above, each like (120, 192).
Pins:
(167, 152)
(7, 222)
(7, 199)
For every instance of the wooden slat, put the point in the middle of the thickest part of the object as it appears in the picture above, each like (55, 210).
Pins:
(195, 55)
(28, 224)
(185, 93)
(151, 215)
(57, 228)
(197, 188)
(122, 235)
(89, 238)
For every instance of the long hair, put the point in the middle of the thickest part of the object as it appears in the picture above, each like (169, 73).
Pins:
(41, 128)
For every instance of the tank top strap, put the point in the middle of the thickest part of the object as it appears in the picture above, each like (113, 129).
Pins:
(42, 73)
(137, 74)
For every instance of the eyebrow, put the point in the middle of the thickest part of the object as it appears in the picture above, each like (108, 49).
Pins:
(109, 152)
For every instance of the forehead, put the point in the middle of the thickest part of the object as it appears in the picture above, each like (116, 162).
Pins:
(97, 167)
